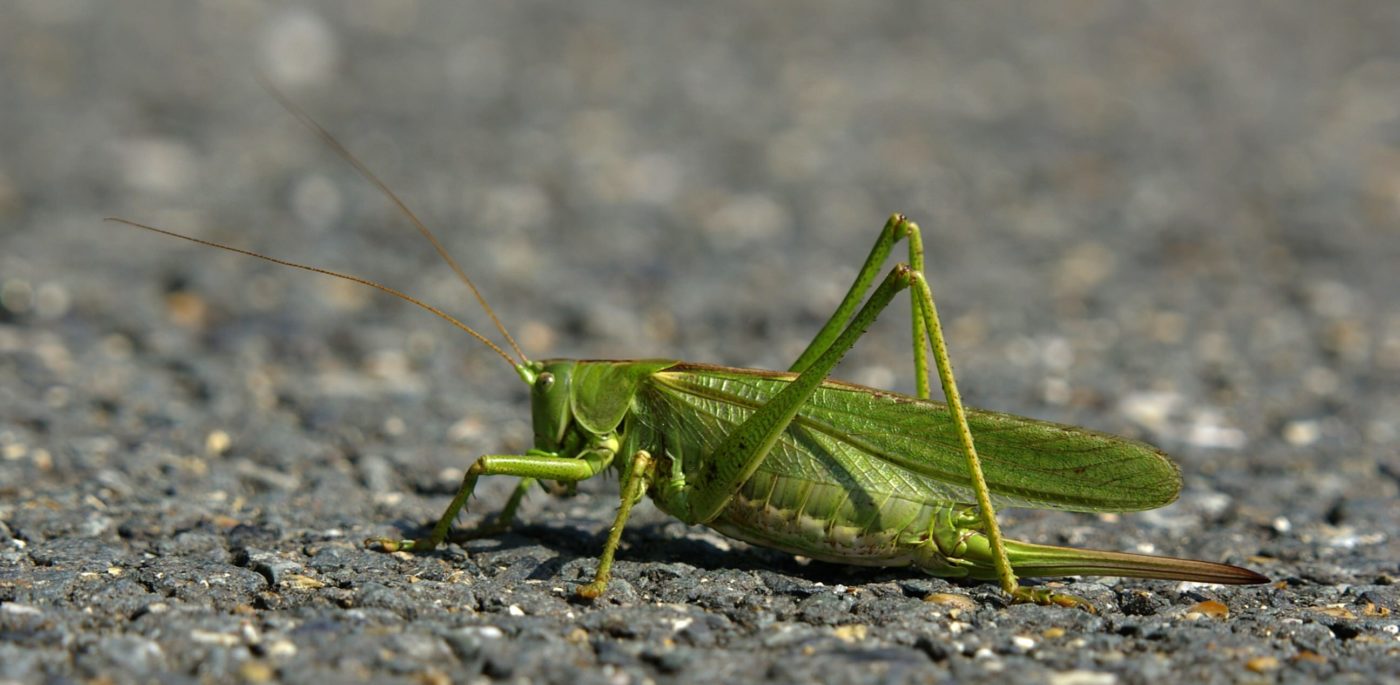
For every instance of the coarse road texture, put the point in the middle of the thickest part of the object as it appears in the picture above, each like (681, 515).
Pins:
(1175, 221)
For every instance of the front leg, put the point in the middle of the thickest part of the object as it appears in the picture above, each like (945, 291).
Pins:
(528, 466)
(502, 522)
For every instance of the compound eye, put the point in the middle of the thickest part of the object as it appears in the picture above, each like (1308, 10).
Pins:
(545, 381)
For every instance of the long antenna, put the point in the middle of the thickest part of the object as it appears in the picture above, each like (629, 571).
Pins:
(383, 187)
(354, 279)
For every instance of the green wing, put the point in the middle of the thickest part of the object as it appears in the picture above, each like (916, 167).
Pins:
(879, 441)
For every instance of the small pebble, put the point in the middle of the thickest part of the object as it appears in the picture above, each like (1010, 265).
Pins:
(1209, 608)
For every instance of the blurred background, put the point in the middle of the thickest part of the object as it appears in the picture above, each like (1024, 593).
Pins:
(1177, 221)
(1191, 209)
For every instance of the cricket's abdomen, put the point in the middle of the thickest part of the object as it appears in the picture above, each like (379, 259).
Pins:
(830, 522)
(818, 492)
(865, 477)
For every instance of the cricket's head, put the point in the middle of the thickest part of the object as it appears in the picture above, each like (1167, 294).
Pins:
(549, 401)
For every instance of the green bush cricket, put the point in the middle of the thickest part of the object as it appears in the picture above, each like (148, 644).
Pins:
(802, 463)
